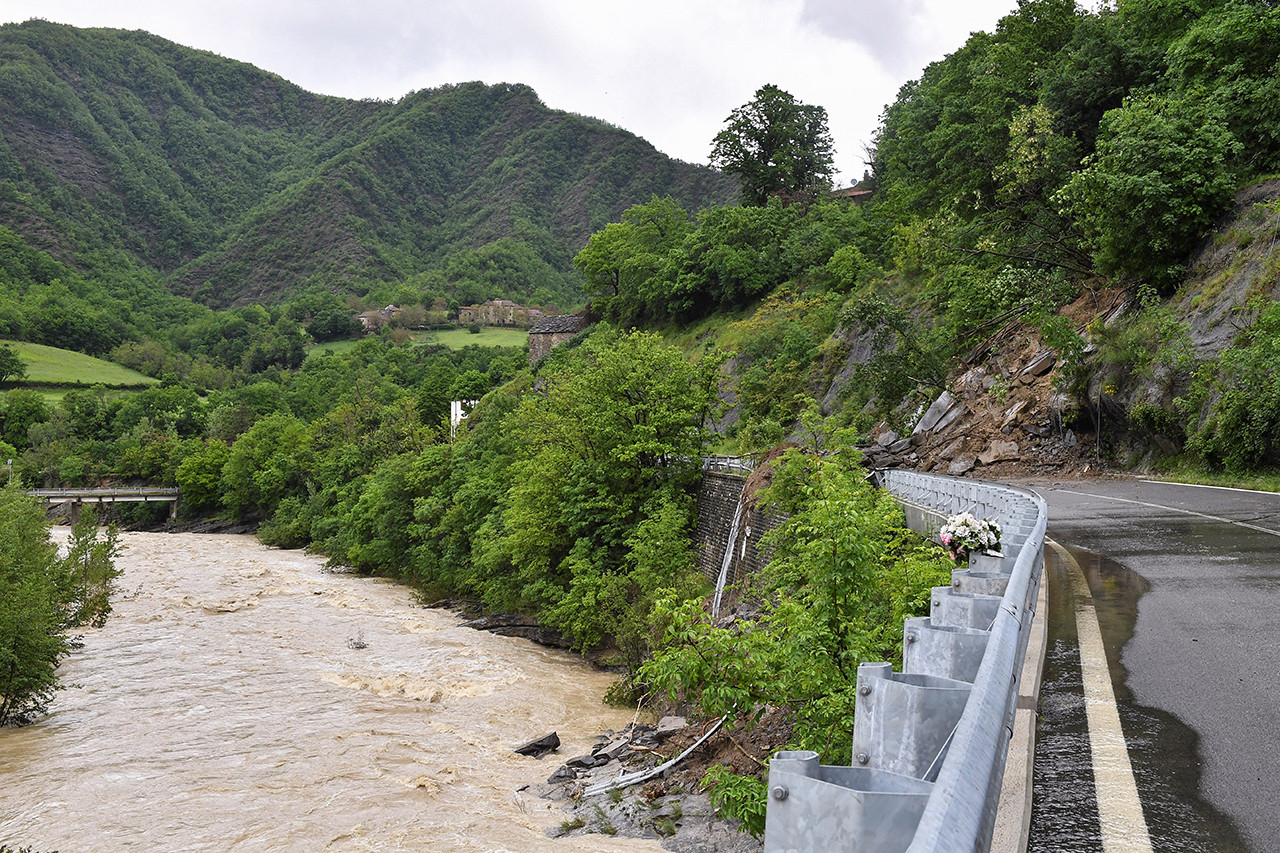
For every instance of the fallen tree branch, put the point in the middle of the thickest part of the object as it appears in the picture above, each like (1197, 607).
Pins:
(629, 779)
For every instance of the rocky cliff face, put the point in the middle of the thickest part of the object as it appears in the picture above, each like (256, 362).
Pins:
(1017, 407)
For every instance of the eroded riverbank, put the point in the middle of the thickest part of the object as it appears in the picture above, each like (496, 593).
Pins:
(243, 698)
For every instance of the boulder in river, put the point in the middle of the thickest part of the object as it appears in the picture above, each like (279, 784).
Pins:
(541, 746)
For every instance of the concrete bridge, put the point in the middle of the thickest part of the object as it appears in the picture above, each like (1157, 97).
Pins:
(78, 497)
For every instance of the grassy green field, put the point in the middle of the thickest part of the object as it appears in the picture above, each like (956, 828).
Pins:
(335, 347)
(52, 366)
(451, 338)
(489, 336)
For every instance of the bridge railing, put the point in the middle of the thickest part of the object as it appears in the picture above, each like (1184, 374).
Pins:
(109, 495)
(929, 743)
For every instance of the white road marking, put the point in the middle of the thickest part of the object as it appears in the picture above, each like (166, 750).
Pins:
(1206, 486)
(1124, 829)
(1204, 515)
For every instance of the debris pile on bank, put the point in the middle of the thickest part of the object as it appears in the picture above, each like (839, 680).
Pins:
(669, 806)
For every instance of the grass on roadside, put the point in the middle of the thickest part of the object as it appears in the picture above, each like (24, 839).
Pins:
(1180, 470)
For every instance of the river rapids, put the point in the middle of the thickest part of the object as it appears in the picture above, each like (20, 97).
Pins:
(242, 698)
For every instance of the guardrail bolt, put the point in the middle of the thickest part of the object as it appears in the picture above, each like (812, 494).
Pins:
(862, 758)
(779, 792)
(911, 638)
(937, 603)
(864, 690)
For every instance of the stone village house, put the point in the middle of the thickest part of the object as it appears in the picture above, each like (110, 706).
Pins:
(553, 331)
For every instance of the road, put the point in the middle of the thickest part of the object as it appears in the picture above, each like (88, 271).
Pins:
(1187, 586)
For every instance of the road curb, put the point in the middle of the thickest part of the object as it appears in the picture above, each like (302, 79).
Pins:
(1013, 814)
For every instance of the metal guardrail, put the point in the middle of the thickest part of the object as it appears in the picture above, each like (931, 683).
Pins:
(728, 464)
(929, 743)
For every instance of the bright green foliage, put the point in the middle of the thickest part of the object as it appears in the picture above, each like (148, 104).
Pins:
(1238, 397)
(1170, 103)
(843, 577)
(377, 527)
(777, 146)
(11, 366)
(597, 516)
(88, 572)
(32, 639)
(264, 465)
(777, 346)
(41, 597)
(741, 798)
(22, 409)
(199, 476)
(1160, 176)
(171, 407)
(735, 256)
(1233, 52)
(622, 262)
(1093, 74)
(235, 185)
(656, 267)
(945, 137)
(1151, 25)
(569, 499)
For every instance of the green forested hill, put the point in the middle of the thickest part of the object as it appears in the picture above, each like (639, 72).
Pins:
(238, 186)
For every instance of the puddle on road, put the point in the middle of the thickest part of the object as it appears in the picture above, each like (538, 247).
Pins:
(1164, 752)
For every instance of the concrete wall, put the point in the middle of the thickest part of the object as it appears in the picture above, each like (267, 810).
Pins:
(717, 500)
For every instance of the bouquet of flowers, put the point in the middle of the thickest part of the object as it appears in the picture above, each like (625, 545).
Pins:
(965, 532)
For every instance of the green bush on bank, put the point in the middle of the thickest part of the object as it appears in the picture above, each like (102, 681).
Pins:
(844, 573)
(42, 597)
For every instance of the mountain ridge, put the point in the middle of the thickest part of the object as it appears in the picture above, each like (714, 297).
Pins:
(239, 186)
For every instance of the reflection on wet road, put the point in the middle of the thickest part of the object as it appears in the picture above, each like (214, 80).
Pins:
(1162, 751)
(1189, 577)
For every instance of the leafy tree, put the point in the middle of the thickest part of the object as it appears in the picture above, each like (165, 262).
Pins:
(88, 572)
(1233, 52)
(333, 322)
(1092, 75)
(1160, 176)
(32, 637)
(264, 466)
(622, 262)
(22, 408)
(41, 597)
(595, 517)
(11, 365)
(172, 407)
(735, 255)
(777, 146)
(199, 475)
(844, 574)
(471, 385)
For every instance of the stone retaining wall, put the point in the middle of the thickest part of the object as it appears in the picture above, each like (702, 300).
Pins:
(717, 501)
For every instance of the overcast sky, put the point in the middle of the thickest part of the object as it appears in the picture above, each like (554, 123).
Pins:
(668, 70)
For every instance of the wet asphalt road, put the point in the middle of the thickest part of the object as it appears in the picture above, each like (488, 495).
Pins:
(1205, 646)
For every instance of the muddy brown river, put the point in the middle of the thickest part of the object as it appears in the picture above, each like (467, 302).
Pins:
(242, 698)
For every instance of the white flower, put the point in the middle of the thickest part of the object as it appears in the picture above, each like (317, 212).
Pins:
(964, 530)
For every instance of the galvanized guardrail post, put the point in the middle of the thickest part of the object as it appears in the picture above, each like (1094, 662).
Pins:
(929, 743)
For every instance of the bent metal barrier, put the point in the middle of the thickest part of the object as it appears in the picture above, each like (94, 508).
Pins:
(929, 743)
